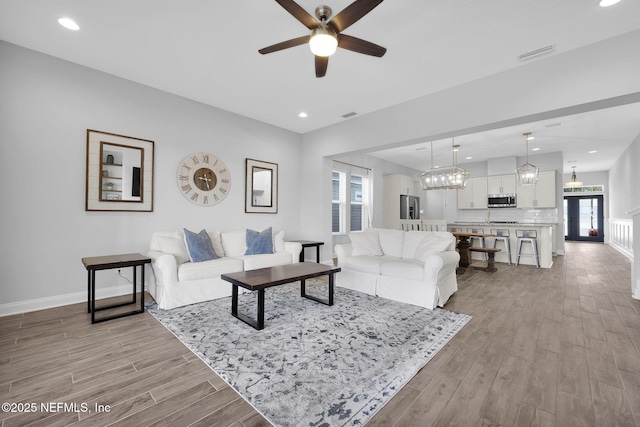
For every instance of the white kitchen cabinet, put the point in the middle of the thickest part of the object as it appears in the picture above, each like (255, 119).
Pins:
(401, 184)
(540, 195)
(393, 187)
(501, 184)
(474, 195)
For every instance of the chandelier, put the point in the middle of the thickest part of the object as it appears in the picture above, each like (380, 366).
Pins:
(527, 174)
(452, 177)
(573, 182)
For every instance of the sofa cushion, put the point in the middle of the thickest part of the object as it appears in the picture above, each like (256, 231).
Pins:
(411, 269)
(199, 246)
(259, 242)
(233, 243)
(366, 243)
(391, 241)
(173, 243)
(411, 241)
(364, 263)
(216, 241)
(278, 242)
(431, 244)
(253, 262)
(209, 269)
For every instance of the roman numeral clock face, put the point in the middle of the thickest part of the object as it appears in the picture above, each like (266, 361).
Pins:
(203, 179)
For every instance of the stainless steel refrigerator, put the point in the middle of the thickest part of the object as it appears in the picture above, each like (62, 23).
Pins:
(409, 207)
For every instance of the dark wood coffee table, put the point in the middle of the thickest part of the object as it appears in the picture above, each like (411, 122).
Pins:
(263, 278)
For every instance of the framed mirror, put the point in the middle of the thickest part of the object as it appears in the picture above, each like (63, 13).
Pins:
(119, 173)
(261, 187)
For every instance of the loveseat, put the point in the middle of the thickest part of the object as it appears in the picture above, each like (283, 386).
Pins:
(414, 267)
(178, 280)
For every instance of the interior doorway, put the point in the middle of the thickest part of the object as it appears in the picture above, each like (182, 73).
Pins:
(584, 218)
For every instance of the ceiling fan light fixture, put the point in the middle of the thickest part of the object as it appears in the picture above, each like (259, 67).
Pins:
(323, 42)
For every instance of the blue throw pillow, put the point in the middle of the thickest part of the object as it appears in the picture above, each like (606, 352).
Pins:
(199, 246)
(259, 242)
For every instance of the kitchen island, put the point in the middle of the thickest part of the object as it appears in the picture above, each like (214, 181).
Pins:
(545, 240)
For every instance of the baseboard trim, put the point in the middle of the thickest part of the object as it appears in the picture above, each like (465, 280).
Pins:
(61, 300)
(624, 251)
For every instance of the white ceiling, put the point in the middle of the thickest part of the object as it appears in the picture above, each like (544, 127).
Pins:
(608, 132)
(208, 51)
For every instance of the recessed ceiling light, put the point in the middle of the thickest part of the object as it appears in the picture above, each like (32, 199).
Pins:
(530, 138)
(535, 149)
(593, 151)
(303, 115)
(468, 158)
(69, 24)
(607, 3)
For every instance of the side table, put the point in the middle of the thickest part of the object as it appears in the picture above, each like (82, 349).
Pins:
(92, 264)
(309, 244)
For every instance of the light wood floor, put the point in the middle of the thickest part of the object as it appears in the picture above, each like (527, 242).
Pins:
(551, 347)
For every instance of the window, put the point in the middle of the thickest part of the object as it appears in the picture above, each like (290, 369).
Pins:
(350, 202)
(356, 204)
(585, 189)
(336, 205)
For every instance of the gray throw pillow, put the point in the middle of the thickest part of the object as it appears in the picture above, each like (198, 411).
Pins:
(199, 246)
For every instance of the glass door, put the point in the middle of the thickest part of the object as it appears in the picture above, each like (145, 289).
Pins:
(583, 218)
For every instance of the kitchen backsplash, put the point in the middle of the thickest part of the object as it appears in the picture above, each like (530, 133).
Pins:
(541, 216)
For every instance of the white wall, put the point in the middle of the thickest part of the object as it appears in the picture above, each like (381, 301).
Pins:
(46, 106)
(559, 85)
(623, 176)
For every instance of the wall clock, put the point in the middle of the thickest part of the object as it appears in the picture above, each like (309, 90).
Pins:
(203, 179)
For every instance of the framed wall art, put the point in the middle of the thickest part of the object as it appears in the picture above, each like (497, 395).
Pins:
(119, 173)
(261, 187)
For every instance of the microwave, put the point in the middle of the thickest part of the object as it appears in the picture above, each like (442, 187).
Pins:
(501, 201)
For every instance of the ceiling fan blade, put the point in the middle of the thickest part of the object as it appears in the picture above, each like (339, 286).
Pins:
(299, 13)
(321, 65)
(284, 45)
(361, 46)
(352, 13)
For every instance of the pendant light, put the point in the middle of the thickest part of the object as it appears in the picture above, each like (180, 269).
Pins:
(573, 182)
(527, 174)
(453, 177)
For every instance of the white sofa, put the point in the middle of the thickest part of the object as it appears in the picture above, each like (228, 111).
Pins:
(414, 267)
(177, 282)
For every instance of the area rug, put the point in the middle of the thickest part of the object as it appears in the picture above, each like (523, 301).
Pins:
(313, 364)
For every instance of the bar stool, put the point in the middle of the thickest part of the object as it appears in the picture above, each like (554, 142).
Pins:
(527, 236)
(478, 238)
(503, 236)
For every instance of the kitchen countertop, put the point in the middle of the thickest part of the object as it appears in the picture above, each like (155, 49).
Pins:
(546, 238)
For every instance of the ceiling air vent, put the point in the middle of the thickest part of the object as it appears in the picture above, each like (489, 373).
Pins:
(535, 53)
(351, 114)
